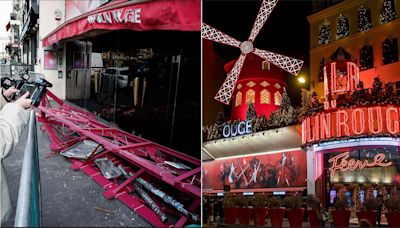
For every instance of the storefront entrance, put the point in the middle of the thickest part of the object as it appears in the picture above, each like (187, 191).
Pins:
(145, 82)
(358, 172)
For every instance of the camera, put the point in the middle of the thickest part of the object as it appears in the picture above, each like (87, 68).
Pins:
(7, 82)
(36, 90)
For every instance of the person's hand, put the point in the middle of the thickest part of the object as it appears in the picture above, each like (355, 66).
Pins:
(24, 102)
(9, 92)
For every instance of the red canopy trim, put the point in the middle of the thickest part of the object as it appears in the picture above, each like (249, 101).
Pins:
(176, 15)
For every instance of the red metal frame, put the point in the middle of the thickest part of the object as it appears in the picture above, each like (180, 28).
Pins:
(137, 155)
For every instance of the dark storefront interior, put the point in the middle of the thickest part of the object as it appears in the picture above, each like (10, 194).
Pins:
(157, 91)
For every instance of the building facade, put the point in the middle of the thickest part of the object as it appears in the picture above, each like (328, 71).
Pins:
(13, 28)
(83, 47)
(31, 29)
(29, 40)
(354, 65)
(365, 47)
(4, 41)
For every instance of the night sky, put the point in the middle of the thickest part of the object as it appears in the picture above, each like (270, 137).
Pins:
(285, 32)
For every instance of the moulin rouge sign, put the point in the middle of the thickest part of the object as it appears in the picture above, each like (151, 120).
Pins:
(351, 122)
(116, 16)
(343, 163)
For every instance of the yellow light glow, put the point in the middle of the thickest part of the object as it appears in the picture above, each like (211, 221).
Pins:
(301, 79)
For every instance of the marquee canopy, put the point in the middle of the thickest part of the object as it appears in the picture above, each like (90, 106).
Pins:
(176, 15)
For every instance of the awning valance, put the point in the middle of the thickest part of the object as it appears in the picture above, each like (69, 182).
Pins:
(274, 140)
(175, 15)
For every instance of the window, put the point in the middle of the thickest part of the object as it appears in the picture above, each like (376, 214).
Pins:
(251, 84)
(265, 97)
(264, 84)
(124, 72)
(390, 52)
(397, 84)
(388, 12)
(26, 53)
(13, 16)
(364, 19)
(111, 71)
(16, 33)
(265, 65)
(366, 57)
(250, 96)
(324, 33)
(278, 98)
(35, 38)
(342, 27)
(238, 100)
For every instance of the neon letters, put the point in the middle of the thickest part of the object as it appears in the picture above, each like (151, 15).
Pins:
(341, 162)
(241, 128)
(351, 122)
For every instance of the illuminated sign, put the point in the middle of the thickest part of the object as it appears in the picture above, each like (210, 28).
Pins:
(351, 122)
(241, 128)
(248, 193)
(343, 163)
(116, 16)
(340, 82)
(279, 193)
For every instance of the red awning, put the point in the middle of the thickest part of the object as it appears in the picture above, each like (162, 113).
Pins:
(176, 15)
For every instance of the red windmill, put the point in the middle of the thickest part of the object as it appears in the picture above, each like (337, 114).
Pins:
(286, 63)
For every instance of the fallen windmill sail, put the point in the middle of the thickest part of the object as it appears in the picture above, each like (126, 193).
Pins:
(168, 199)
(150, 202)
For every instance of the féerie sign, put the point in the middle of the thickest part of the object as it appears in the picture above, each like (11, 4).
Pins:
(343, 163)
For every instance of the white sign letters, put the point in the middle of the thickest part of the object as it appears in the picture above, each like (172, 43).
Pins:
(116, 16)
(241, 128)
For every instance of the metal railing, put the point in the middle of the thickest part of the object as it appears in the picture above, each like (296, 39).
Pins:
(29, 198)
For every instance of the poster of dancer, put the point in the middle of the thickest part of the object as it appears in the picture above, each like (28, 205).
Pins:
(287, 169)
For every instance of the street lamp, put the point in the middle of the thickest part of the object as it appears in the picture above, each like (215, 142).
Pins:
(301, 79)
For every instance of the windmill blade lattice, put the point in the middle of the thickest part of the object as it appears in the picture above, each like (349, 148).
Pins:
(287, 63)
(262, 16)
(224, 94)
(213, 34)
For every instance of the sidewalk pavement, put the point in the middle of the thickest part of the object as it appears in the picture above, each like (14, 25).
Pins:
(69, 198)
